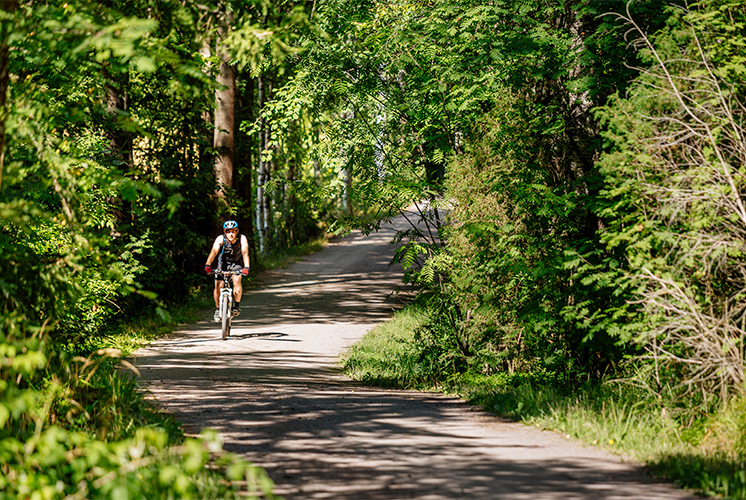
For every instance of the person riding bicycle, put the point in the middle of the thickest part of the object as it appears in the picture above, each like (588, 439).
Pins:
(234, 256)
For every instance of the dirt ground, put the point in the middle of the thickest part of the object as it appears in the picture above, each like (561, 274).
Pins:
(275, 392)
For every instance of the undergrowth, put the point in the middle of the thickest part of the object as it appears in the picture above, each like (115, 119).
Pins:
(386, 355)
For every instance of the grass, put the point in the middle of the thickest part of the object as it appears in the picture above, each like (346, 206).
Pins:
(386, 356)
(95, 393)
(610, 416)
(130, 334)
(707, 455)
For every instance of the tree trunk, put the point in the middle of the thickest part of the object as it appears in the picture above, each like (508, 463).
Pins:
(247, 150)
(271, 202)
(223, 141)
(260, 170)
(7, 6)
(116, 104)
(347, 190)
(120, 142)
(290, 204)
(264, 171)
(206, 51)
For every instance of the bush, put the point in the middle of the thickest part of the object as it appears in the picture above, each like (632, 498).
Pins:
(675, 204)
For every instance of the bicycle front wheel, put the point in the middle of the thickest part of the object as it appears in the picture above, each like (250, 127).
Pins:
(225, 315)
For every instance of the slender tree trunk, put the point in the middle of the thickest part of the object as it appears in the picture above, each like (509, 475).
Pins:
(205, 51)
(116, 104)
(264, 171)
(260, 170)
(246, 104)
(271, 203)
(223, 141)
(347, 177)
(7, 6)
(120, 142)
(264, 200)
(290, 204)
(268, 171)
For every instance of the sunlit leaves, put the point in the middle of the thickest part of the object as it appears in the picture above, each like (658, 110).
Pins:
(256, 45)
(144, 466)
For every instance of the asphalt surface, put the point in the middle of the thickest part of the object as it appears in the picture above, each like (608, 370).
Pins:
(275, 391)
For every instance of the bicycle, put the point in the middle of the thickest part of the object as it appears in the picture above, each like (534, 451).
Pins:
(226, 300)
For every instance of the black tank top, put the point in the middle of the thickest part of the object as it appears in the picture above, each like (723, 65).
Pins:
(232, 251)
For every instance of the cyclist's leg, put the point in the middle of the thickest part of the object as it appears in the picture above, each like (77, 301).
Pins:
(236, 280)
(237, 288)
(216, 292)
(216, 296)
(237, 292)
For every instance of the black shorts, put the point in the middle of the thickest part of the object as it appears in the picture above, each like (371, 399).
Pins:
(229, 266)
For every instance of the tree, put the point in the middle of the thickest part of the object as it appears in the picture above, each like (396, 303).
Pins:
(225, 124)
(409, 92)
(68, 264)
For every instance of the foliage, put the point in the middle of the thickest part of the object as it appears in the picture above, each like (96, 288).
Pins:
(429, 106)
(536, 273)
(504, 242)
(42, 452)
(555, 263)
(53, 462)
(537, 257)
(674, 184)
(58, 463)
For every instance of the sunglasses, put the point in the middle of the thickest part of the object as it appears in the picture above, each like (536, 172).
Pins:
(231, 231)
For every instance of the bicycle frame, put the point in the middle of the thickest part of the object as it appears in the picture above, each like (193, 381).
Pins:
(225, 303)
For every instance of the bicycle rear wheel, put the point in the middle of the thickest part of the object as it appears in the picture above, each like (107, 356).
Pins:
(225, 315)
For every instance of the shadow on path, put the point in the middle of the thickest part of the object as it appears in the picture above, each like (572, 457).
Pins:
(275, 393)
(320, 436)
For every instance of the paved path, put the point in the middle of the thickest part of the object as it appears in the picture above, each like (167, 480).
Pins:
(275, 392)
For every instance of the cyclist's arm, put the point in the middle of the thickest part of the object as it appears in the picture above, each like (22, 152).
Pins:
(214, 250)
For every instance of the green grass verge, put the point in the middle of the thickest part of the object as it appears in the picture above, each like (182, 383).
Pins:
(132, 333)
(708, 455)
(386, 356)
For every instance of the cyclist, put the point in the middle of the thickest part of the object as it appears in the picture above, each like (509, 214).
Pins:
(234, 256)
